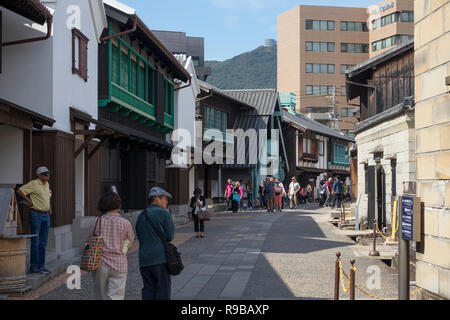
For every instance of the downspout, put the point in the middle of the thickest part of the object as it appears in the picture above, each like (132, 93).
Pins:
(49, 33)
(188, 85)
(134, 18)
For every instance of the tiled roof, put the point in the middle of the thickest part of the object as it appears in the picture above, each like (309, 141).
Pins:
(312, 125)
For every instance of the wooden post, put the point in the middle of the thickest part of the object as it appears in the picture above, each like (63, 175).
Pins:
(352, 280)
(336, 277)
(374, 252)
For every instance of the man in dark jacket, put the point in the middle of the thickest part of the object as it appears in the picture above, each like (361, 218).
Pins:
(152, 257)
(337, 192)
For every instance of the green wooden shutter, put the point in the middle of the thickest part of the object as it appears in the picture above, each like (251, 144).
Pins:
(115, 64)
(133, 77)
(124, 70)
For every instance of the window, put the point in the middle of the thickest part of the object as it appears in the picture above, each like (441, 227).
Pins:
(354, 26)
(407, 16)
(320, 46)
(319, 90)
(390, 41)
(345, 67)
(215, 119)
(343, 91)
(319, 68)
(169, 97)
(354, 47)
(346, 112)
(307, 145)
(79, 54)
(319, 25)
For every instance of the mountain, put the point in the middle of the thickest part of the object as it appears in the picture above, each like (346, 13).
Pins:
(255, 69)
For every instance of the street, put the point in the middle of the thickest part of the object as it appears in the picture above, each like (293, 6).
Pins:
(255, 256)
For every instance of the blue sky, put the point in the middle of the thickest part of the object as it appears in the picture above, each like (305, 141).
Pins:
(230, 27)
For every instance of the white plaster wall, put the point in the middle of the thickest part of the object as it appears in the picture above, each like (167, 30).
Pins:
(11, 155)
(70, 90)
(26, 78)
(397, 138)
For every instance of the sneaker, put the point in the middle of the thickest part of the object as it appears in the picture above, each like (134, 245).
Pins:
(44, 270)
(34, 271)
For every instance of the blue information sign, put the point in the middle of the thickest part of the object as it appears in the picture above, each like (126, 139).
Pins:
(407, 206)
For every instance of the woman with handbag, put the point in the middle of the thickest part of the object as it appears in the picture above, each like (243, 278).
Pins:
(278, 189)
(198, 203)
(117, 236)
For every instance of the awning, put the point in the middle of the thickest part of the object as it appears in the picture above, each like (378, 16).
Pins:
(105, 130)
(30, 9)
(10, 111)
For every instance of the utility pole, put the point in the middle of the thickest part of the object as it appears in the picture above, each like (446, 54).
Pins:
(336, 116)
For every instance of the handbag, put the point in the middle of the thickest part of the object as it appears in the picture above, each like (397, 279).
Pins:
(173, 257)
(236, 197)
(204, 215)
(92, 254)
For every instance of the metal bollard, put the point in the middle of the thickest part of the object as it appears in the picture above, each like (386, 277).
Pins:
(352, 280)
(336, 277)
(374, 252)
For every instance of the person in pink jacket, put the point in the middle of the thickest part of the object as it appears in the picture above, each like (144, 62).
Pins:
(227, 194)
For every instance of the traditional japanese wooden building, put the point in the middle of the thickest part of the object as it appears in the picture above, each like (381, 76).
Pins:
(385, 137)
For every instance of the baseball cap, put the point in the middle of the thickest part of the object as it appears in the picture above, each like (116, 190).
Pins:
(42, 170)
(159, 192)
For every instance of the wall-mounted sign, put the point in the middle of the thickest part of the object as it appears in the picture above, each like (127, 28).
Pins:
(410, 218)
(383, 8)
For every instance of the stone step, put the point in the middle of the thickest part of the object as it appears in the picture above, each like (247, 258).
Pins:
(57, 267)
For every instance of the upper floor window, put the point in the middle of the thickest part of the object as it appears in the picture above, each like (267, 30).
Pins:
(390, 41)
(343, 91)
(319, 90)
(320, 46)
(132, 72)
(403, 16)
(80, 54)
(168, 88)
(354, 47)
(346, 112)
(345, 67)
(319, 68)
(354, 26)
(319, 25)
(215, 119)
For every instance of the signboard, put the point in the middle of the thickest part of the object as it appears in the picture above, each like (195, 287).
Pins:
(383, 8)
(410, 218)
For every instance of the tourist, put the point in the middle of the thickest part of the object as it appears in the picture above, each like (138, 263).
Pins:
(117, 235)
(197, 203)
(294, 188)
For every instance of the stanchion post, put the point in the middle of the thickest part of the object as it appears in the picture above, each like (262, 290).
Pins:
(352, 280)
(343, 213)
(336, 277)
(374, 252)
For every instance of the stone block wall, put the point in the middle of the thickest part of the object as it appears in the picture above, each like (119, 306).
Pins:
(432, 65)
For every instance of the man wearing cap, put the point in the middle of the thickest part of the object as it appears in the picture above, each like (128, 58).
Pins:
(152, 257)
(37, 193)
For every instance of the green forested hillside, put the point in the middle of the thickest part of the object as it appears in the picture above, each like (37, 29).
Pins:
(256, 69)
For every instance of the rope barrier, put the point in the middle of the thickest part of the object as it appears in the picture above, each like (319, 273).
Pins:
(361, 289)
(385, 237)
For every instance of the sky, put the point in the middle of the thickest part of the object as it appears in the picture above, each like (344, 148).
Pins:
(229, 27)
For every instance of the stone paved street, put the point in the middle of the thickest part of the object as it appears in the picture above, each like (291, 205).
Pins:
(257, 255)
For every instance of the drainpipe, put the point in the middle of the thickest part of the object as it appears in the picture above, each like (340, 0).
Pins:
(134, 18)
(49, 32)
(188, 85)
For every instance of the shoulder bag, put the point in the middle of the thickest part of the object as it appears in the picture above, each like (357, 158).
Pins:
(203, 214)
(92, 254)
(173, 257)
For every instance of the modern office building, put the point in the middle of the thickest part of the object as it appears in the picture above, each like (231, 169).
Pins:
(179, 43)
(390, 23)
(317, 44)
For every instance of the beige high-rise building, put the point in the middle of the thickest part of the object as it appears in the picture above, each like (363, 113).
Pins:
(317, 44)
(390, 23)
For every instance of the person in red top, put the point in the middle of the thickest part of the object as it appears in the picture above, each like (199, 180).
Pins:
(329, 187)
(118, 236)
